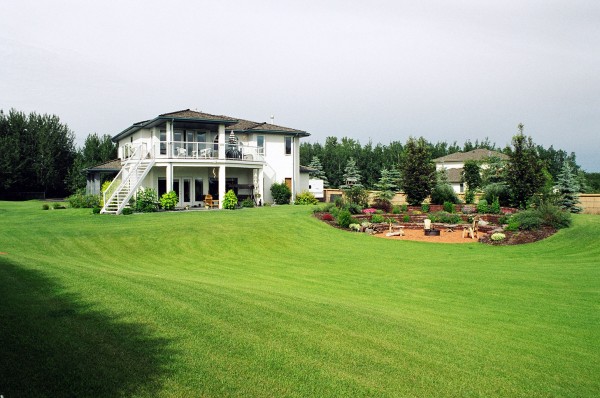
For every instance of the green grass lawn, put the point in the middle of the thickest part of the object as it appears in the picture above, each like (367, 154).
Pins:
(270, 302)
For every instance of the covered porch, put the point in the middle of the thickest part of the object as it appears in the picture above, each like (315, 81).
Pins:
(193, 182)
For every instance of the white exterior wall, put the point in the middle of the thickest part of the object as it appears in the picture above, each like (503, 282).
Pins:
(279, 166)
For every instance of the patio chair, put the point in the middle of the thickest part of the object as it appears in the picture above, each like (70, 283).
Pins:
(181, 151)
(472, 230)
(208, 201)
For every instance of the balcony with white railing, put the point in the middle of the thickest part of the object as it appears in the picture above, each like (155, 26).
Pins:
(179, 150)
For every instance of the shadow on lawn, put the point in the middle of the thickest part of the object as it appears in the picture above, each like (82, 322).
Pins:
(53, 345)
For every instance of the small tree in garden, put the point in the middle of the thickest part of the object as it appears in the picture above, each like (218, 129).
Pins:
(568, 187)
(230, 200)
(281, 193)
(524, 175)
(443, 191)
(351, 175)
(471, 175)
(315, 164)
(418, 171)
(386, 185)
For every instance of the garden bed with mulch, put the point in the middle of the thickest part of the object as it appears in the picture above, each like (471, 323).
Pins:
(415, 232)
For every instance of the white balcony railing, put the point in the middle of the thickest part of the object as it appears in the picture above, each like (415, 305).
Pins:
(207, 150)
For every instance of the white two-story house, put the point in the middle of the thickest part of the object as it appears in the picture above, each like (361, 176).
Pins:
(197, 154)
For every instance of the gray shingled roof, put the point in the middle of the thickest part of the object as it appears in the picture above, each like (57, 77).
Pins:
(476, 154)
(454, 175)
(111, 165)
(188, 115)
(249, 126)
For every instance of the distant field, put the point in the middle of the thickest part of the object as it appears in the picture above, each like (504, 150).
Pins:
(270, 302)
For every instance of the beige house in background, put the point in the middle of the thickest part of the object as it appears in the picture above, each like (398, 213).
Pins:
(454, 163)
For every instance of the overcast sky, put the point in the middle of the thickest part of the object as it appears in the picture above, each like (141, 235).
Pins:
(377, 70)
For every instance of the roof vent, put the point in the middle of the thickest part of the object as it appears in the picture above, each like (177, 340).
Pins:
(272, 120)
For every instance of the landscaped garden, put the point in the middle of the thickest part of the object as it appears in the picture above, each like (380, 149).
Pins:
(272, 301)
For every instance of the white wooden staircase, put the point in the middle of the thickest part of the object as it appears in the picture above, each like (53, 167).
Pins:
(127, 182)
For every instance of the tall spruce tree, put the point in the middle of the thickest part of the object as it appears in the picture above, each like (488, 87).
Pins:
(524, 174)
(568, 187)
(418, 171)
(315, 164)
(351, 175)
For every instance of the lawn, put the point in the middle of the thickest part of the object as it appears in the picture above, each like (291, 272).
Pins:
(271, 302)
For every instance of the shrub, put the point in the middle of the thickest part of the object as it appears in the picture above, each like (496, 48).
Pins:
(80, 200)
(354, 208)
(230, 200)
(338, 202)
(449, 207)
(357, 194)
(305, 198)
(404, 207)
(504, 219)
(281, 193)
(169, 200)
(96, 210)
(127, 211)
(370, 210)
(553, 216)
(45, 206)
(425, 207)
(247, 203)
(146, 200)
(406, 218)
(494, 208)
(58, 206)
(497, 190)
(354, 227)
(103, 189)
(498, 236)
(344, 218)
(376, 218)
(445, 217)
(396, 210)
(443, 193)
(327, 217)
(325, 208)
(482, 206)
(470, 196)
(382, 204)
(525, 220)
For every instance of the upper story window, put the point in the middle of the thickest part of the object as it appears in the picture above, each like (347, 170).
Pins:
(163, 142)
(260, 143)
(288, 145)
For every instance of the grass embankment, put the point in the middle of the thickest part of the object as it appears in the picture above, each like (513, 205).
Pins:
(271, 302)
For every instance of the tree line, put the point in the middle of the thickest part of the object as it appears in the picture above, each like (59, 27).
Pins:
(38, 155)
(371, 159)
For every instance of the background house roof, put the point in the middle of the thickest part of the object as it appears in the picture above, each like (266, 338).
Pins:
(454, 175)
(476, 154)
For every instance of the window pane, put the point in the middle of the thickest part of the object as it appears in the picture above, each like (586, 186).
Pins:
(288, 145)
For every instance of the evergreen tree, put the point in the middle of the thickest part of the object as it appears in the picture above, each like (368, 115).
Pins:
(471, 174)
(418, 171)
(351, 175)
(318, 173)
(386, 185)
(568, 186)
(524, 174)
